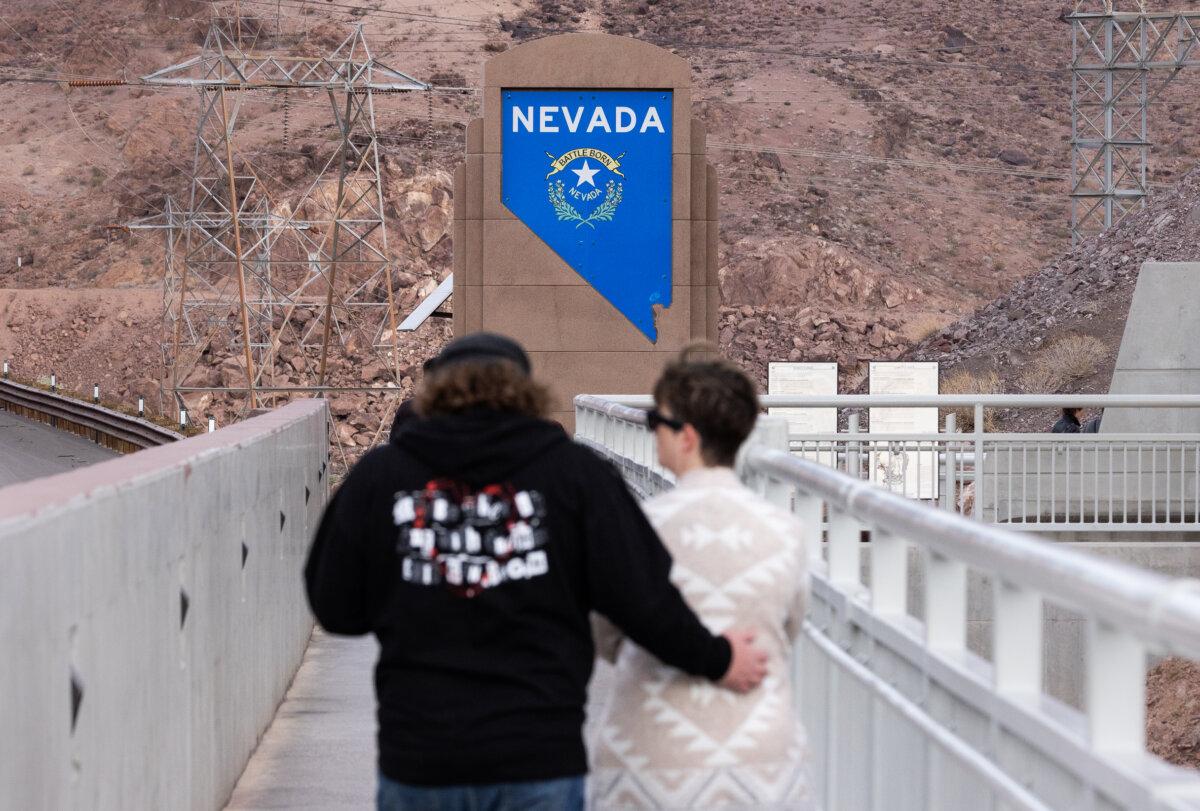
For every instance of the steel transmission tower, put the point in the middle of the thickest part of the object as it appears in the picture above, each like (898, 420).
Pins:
(1120, 62)
(255, 269)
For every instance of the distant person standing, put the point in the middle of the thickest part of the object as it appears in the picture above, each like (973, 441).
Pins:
(474, 545)
(668, 740)
(1068, 423)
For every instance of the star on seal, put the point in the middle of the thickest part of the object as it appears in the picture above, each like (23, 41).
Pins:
(585, 175)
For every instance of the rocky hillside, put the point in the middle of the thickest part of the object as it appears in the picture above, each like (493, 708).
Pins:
(1058, 330)
(885, 169)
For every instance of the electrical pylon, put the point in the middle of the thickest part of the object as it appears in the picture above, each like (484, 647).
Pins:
(1120, 62)
(258, 267)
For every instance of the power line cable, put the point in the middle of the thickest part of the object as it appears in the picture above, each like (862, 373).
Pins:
(858, 157)
(361, 11)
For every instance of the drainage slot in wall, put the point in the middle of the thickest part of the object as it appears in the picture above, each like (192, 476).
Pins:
(76, 698)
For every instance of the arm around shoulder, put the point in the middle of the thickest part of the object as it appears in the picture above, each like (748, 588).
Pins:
(628, 571)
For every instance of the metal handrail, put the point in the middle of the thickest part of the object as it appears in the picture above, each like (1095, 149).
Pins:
(1165, 611)
(925, 666)
(106, 427)
(1044, 437)
(949, 400)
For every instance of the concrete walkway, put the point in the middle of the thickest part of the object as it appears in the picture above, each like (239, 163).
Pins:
(319, 752)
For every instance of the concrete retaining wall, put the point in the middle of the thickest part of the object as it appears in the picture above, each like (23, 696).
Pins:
(152, 614)
(1159, 353)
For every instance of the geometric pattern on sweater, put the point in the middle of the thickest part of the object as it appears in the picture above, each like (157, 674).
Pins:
(669, 740)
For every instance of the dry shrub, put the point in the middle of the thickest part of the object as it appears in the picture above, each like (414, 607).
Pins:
(963, 382)
(1066, 361)
(922, 326)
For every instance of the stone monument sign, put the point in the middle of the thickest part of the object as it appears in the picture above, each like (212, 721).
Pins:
(585, 214)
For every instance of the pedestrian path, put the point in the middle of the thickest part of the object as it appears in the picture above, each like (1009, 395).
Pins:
(319, 752)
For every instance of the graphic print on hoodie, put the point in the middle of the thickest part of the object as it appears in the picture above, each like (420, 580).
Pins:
(470, 541)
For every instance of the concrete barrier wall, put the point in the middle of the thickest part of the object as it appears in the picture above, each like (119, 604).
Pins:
(152, 614)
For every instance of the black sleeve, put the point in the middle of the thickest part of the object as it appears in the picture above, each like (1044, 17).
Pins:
(628, 575)
(337, 572)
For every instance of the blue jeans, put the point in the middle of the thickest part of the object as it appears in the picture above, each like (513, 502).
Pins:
(563, 794)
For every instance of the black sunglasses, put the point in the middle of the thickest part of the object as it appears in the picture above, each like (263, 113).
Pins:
(655, 418)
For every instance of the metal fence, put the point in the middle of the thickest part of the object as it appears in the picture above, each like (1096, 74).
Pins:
(1041, 481)
(901, 712)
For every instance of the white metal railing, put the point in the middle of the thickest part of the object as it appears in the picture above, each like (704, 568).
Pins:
(1052, 482)
(902, 712)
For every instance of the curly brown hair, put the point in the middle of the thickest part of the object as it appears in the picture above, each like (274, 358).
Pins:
(712, 394)
(498, 385)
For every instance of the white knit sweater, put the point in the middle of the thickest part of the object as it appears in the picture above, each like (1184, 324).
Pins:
(667, 740)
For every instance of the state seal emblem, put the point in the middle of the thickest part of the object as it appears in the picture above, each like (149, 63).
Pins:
(564, 196)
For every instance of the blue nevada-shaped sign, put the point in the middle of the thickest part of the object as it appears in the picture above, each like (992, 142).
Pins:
(589, 172)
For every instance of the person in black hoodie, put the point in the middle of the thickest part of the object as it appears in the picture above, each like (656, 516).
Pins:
(474, 545)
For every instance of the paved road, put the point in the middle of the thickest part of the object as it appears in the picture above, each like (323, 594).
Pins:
(319, 752)
(31, 449)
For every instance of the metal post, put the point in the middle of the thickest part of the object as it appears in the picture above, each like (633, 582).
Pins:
(1109, 102)
(977, 507)
(845, 536)
(53, 382)
(809, 510)
(337, 222)
(141, 407)
(237, 249)
(948, 465)
(393, 326)
(96, 393)
(889, 573)
(1017, 639)
(853, 462)
(945, 602)
(183, 286)
(1116, 666)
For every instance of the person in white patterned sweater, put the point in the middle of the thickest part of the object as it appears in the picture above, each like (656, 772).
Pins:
(667, 740)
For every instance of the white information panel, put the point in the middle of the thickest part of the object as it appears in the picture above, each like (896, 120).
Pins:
(908, 467)
(800, 379)
(806, 379)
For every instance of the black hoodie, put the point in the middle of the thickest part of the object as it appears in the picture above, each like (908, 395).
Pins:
(474, 546)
